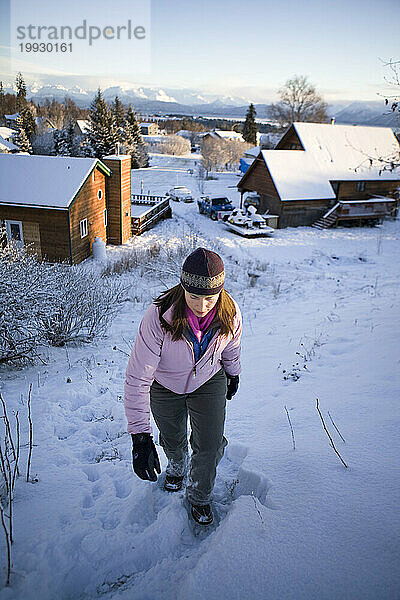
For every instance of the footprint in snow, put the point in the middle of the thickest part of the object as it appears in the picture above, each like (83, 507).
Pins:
(153, 512)
(91, 472)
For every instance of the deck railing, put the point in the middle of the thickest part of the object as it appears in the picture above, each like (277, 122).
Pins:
(161, 209)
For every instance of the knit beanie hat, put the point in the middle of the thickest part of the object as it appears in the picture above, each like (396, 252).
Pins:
(203, 273)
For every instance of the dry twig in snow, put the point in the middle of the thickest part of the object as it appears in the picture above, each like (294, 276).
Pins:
(291, 428)
(329, 435)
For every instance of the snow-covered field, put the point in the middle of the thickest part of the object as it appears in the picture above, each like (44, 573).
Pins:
(320, 321)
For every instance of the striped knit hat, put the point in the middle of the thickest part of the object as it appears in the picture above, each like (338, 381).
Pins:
(203, 273)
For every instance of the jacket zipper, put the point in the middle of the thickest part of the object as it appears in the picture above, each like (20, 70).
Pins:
(194, 370)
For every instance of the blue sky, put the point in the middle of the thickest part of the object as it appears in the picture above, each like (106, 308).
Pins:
(235, 47)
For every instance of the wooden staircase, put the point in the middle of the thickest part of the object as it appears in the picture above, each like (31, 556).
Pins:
(327, 220)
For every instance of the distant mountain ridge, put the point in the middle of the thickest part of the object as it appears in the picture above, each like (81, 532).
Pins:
(166, 101)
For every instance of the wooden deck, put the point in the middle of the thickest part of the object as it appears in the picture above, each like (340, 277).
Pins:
(147, 210)
(359, 211)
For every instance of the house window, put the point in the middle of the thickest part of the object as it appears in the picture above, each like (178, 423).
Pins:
(100, 194)
(105, 217)
(360, 186)
(83, 228)
(14, 231)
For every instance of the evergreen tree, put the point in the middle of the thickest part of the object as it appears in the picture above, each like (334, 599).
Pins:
(22, 140)
(28, 120)
(250, 127)
(21, 90)
(119, 113)
(70, 139)
(134, 138)
(103, 135)
(60, 143)
(2, 99)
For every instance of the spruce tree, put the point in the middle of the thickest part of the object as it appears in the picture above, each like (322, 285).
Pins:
(21, 90)
(119, 115)
(60, 143)
(138, 150)
(250, 127)
(22, 140)
(103, 135)
(70, 139)
(2, 100)
(28, 120)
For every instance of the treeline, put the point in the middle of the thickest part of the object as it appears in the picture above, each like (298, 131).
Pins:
(50, 128)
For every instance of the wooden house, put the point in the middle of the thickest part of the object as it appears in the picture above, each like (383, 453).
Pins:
(148, 128)
(316, 166)
(220, 134)
(82, 127)
(57, 205)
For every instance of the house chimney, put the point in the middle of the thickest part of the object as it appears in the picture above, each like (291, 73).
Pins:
(118, 198)
(333, 121)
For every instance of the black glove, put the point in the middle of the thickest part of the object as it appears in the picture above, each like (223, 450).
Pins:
(144, 456)
(233, 384)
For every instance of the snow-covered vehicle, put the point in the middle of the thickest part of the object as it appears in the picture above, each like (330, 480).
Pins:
(214, 206)
(247, 223)
(180, 193)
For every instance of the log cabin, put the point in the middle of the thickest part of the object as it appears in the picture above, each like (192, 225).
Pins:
(316, 167)
(55, 206)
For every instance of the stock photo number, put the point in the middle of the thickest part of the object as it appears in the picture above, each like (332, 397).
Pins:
(45, 47)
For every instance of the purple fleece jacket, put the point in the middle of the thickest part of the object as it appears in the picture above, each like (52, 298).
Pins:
(171, 363)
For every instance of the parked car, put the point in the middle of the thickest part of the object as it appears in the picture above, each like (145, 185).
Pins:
(180, 193)
(212, 206)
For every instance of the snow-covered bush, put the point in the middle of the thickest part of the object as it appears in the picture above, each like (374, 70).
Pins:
(43, 304)
(23, 300)
(174, 144)
(83, 305)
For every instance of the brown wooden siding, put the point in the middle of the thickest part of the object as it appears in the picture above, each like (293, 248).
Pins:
(88, 206)
(302, 212)
(348, 189)
(258, 179)
(119, 200)
(290, 141)
(44, 228)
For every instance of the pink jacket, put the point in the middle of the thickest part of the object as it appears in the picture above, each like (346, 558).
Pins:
(171, 363)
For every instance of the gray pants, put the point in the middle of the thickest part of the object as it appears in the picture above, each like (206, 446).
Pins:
(206, 409)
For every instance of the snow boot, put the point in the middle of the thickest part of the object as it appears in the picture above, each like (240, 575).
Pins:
(202, 514)
(173, 483)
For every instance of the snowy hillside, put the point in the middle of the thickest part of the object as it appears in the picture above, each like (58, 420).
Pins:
(320, 322)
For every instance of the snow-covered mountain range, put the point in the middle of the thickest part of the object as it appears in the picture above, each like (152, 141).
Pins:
(193, 102)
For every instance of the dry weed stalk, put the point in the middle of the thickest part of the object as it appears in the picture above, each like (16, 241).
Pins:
(329, 435)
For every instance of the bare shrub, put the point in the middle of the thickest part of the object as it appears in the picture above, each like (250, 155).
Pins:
(23, 298)
(174, 144)
(84, 304)
(46, 304)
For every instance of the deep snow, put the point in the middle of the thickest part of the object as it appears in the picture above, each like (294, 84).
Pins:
(320, 321)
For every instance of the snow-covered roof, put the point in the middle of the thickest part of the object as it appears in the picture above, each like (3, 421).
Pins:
(332, 153)
(147, 124)
(7, 132)
(252, 152)
(297, 176)
(5, 145)
(43, 181)
(83, 125)
(119, 157)
(226, 135)
(229, 135)
(345, 148)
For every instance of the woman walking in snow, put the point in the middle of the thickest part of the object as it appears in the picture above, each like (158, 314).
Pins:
(185, 362)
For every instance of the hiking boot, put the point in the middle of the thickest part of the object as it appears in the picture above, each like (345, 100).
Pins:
(173, 483)
(202, 514)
